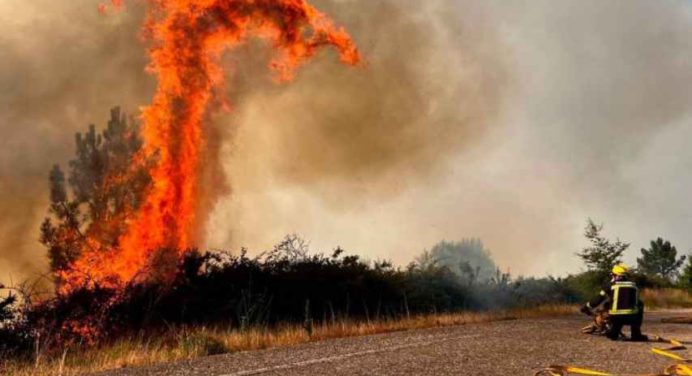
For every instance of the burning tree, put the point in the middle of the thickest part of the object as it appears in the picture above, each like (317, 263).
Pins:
(89, 207)
(150, 232)
(123, 218)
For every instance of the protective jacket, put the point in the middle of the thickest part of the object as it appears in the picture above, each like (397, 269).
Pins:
(618, 298)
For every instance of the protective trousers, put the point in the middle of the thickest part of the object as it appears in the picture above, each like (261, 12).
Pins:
(634, 321)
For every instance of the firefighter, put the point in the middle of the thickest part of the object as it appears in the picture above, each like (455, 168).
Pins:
(621, 299)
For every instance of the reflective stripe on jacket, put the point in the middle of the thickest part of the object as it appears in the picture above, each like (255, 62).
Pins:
(625, 297)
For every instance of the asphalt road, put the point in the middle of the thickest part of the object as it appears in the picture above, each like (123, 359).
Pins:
(516, 347)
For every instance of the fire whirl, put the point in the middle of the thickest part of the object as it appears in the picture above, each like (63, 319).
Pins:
(187, 39)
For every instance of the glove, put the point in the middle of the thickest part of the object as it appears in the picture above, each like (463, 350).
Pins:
(586, 310)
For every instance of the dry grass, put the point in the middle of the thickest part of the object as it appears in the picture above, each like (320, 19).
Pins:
(188, 343)
(667, 298)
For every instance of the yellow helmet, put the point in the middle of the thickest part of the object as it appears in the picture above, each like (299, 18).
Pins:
(620, 269)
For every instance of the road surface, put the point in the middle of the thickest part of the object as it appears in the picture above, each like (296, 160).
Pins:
(515, 347)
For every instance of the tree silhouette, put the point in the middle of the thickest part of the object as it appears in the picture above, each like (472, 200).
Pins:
(660, 259)
(468, 259)
(603, 254)
(7, 312)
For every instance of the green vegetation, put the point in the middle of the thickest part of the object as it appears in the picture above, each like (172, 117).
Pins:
(657, 268)
(685, 280)
(660, 260)
(603, 253)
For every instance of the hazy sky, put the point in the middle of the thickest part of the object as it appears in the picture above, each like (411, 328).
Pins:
(512, 122)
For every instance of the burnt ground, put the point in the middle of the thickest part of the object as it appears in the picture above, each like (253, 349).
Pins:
(515, 347)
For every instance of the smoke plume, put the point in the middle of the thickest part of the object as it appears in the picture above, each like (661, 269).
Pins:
(509, 122)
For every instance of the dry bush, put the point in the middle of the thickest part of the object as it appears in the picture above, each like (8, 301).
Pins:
(667, 298)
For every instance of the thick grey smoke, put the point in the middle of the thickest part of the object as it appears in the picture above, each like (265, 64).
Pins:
(507, 121)
(611, 75)
(431, 86)
(435, 82)
(606, 98)
(588, 89)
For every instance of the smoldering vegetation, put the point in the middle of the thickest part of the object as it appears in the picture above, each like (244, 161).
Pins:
(294, 285)
(288, 284)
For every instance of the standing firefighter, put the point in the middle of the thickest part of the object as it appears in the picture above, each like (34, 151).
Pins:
(620, 298)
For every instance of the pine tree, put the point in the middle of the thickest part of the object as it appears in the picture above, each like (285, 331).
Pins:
(603, 254)
(104, 187)
(660, 260)
(60, 231)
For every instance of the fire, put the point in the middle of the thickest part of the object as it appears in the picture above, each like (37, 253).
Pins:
(188, 38)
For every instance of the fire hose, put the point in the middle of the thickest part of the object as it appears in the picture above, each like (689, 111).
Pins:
(683, 367)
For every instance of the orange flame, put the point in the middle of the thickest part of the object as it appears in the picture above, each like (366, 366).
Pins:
(188, 38)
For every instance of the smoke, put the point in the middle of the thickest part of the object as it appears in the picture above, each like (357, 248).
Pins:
(612, 75)
(63, 66)
(432, 85)
(512, 122)
(606, 96)
(509, 122)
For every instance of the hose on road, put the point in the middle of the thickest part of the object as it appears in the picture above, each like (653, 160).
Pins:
(683, 367)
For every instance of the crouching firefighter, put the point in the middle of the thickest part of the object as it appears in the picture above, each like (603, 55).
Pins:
(620, 297)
